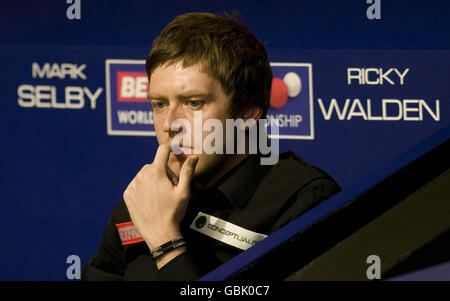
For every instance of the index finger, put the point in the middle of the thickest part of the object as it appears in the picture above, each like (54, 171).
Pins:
(162, 155)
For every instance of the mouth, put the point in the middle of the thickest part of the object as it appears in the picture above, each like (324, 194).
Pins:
(186, 150)
(182, 149)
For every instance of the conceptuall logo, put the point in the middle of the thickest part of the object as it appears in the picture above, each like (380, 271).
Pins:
(201, 222)
(129, 112)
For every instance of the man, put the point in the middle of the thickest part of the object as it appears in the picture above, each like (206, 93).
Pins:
(187, 213)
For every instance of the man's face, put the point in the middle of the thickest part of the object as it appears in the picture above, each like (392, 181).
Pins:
(177, 93)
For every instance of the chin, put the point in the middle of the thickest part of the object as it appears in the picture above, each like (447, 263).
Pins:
(206, 167)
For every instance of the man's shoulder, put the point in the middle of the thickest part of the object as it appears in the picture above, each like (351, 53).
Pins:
(290, 175)
(290, 164)
(293, 186)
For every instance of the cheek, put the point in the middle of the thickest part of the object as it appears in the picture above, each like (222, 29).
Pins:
(160, 134)
(157, 122)
(216, 115)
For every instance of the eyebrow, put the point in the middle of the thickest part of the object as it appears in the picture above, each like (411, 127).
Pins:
(185, 95)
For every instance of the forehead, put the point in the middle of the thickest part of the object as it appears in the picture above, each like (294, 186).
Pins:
(170, 78)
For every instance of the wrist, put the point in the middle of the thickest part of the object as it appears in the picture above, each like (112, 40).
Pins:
(166, 258)
(155, 240)
(165, 252)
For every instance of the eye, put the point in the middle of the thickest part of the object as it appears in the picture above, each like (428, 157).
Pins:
(158, 105)
(194, 103)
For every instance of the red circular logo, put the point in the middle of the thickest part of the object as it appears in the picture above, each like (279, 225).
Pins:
(279, 94)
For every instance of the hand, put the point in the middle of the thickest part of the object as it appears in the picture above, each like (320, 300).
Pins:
(157, 204)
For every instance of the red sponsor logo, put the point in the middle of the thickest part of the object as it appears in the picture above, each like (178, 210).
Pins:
(128, 233)
(132, 86)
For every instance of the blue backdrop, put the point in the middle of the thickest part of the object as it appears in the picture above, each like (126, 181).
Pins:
(62, 171)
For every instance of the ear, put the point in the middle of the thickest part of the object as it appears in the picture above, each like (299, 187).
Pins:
(253, 112)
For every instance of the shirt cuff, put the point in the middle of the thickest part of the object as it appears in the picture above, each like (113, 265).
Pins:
(181, 268)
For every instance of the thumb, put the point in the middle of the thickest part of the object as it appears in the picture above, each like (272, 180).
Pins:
(187, 173)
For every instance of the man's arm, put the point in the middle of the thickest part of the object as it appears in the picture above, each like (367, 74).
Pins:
(156, 205)
(110, 262)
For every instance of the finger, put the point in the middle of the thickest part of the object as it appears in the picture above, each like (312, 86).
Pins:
(162, 156)
(172, 177)
(187, 173)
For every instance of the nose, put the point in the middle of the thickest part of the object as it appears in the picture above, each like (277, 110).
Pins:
(172, 114)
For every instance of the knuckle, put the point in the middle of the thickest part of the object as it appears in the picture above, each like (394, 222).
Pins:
(183, 194)
(126, 194)
(148, 170)
(188, 170)
(144, 169)
(157, 169)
